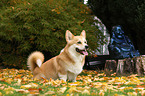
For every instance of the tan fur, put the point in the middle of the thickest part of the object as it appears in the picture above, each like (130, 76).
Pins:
(32, 59)
(67, 65)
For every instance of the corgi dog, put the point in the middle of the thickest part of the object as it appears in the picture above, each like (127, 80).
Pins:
(67, 65)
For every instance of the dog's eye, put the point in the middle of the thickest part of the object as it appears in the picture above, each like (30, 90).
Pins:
(79, 42)
(85, 42)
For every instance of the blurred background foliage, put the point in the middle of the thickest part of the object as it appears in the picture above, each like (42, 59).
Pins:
(30, 25)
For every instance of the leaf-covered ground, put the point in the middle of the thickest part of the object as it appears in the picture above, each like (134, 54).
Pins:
(89, 83)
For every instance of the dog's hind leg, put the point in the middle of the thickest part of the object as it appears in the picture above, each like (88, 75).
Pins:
(38, 73)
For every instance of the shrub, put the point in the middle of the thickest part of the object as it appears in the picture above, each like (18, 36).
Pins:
(29, 25)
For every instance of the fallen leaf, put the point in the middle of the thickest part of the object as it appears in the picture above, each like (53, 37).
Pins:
(2, 87)
(132, 94)
(9, 80)
(30, 85)
(19, 82)
(9, 92)
(74, 83)
(62, 90)
(21, 90)
(1, 94)
(101, 93)
(49, 93)
(86, 92)
(73, 90)
(9, 89)
(142, 93)
(33, 90)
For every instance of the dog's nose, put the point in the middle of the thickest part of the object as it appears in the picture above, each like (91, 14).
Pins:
(86, 46)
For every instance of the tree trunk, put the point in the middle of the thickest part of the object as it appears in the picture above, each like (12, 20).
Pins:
(140, 65)
(127, 65)
(111, 65)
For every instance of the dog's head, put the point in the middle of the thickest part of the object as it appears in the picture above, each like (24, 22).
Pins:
(77, 44)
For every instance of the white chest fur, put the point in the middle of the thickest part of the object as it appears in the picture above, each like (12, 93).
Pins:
(76, 67)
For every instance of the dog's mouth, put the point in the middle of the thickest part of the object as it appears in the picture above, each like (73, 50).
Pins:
(83, 52)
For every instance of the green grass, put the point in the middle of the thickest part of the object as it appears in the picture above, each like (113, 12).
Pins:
(15, 82)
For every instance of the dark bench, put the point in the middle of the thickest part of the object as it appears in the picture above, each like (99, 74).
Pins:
(95, 63)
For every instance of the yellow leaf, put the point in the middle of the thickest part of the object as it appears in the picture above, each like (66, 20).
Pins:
(9, 89)
(80, 88)
(74, 83)
(30, 85)
(19, 81)
(62, 90)
(53, 10)
(132, 94)
(67, 95)
(87, 87)
(50, 93)
(86, 92)
(9, 92)
(1, 94)
(21, 90)
(2, 87)
(58, 12)
(101, 93)
(25, 86)
(142, 93)
(9, 80)
(73, 89)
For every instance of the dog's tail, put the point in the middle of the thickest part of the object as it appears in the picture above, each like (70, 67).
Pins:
(35, 59)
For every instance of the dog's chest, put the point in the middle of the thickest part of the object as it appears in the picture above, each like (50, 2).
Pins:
(76, 67)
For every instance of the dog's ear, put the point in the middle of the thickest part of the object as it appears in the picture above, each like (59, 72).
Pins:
(69, 36)
(83, 33)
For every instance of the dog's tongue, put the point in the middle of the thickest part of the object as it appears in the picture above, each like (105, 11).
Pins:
(85, 52)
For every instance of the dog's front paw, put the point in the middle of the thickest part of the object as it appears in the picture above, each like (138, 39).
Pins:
(72, 77)
(64, 80)
(74, 81)
(62, 77)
